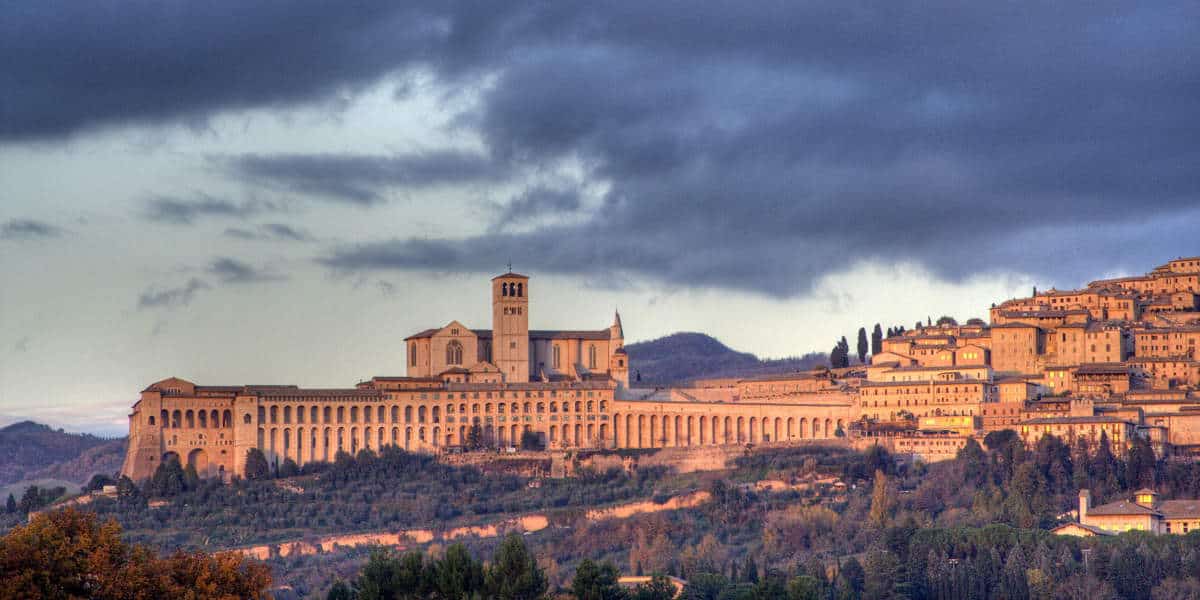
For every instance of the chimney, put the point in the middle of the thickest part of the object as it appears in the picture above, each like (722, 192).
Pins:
(1085, 502)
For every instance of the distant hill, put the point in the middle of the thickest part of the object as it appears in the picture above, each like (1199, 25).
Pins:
(31, 450)
(685, 356)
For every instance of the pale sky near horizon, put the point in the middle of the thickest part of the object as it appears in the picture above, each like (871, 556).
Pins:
(268, 193)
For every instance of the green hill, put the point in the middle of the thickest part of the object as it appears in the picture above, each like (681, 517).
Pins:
(685, 356)
(31, 450)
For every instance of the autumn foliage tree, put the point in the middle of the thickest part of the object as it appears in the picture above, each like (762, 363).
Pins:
(71, 554)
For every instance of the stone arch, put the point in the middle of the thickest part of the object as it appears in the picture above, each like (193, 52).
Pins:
(703, 424)
(189, 418)
(300, 446)
(828, 428)
(579, 439)
(198, 459)
(170, 456)
(654, 431)
(778, 430)
(728, 433)
(816, 428)
(176, 418)
(691, 431)
(408, 438)
(604, 441)
(203, 419)
(741, 430)
(791, 428)
(753, 430)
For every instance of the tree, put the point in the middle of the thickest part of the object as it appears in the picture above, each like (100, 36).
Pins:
(475, 437)
(128, 493)
(168, 479)
(530, 440)
(457, 574)
(883, 500)
(191, 479)
(71, 554)
(514, 574)
(256, 465)
(877, 339)
(805, 587)
(658, 588)
(97, 482)
(750, 570)
(339, 591)
(289, 468)
(863, 346)
(704, 586)
(596, 582)
(851, 579)
(10, 506)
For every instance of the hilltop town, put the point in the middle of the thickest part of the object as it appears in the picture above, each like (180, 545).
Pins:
(1116, 358)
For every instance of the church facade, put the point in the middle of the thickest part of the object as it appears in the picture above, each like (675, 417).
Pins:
(570, 388)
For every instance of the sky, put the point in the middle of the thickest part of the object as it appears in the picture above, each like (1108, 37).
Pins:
(280, 192)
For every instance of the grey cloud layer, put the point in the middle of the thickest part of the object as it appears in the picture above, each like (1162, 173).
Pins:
(28, 229)
(187, 211)
(752, 147)
(361, 179)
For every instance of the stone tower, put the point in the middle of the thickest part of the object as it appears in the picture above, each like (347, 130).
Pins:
(618, 363)
(510, 326)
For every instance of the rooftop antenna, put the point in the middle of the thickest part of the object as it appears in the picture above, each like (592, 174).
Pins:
(510, 266)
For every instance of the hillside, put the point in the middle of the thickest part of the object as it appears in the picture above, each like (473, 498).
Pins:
(29, 450)
(685, 356)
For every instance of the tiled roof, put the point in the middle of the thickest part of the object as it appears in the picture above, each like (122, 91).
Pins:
(1179, 509)
(1121, 508)
(1102, 368)
(1071, 420)
(510, 275)
(1091, 528)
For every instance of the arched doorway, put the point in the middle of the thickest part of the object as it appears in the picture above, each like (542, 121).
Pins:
(198, 459)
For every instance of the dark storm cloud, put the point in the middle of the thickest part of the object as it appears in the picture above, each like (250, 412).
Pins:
(187, 211)
(172, 297)
(229, 270)
(269, 232)
(537, 202)
(361, 179)
(753, 147)
(28, 229)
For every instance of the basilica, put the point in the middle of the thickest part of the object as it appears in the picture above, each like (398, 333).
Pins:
(569, 388)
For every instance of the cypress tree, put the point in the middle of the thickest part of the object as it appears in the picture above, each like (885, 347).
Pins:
(877, 340)
(10, 506)
(862, 345)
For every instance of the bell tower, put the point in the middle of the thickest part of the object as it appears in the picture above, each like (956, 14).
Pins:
(510, 326)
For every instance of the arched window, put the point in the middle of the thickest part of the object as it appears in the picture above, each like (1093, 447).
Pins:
(557, 361)
(454, 353)
(412, 354)
(592, 357)
(520, 289)
(504, 289)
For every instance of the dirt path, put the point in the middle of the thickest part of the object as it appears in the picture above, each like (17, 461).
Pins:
(407, 537)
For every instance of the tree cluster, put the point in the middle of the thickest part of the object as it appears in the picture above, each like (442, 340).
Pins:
(512, 574)
(71, 554)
